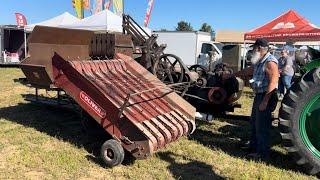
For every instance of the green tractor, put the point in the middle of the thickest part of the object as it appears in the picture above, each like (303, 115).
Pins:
(299, 117)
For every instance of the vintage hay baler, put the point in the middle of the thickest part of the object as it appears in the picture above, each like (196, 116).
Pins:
(141, 113)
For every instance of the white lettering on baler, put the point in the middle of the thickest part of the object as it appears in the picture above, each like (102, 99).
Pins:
(92, 104)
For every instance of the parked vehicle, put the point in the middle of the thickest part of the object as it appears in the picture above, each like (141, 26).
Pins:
(194, 47)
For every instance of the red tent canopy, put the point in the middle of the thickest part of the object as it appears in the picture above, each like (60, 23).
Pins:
(287, 27)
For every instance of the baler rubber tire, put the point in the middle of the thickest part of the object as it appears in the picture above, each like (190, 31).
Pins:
(117, 152)
(292, 108)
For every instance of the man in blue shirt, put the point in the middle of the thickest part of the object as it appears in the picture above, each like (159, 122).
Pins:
(264, 83)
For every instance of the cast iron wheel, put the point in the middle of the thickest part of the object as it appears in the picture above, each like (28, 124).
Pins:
(300, 121)
(201, 70)
(112, 153)
(169, 69)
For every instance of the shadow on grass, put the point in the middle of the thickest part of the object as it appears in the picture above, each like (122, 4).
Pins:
(230, 138)
(190, 170)
(66, 125)
(57, 122)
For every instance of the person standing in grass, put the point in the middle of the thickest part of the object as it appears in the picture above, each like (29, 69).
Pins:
(286, 71)
(264, 82)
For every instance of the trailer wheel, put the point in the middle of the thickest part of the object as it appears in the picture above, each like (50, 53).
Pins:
(112, 153)
(299, 121)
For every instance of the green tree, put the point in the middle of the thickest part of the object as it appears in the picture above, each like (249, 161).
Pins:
(184, 26)
(205, 27)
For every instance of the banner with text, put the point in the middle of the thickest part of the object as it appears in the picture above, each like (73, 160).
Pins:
(21, 20)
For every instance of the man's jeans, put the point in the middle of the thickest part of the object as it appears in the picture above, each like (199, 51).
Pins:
(284, 83)
(261, 127)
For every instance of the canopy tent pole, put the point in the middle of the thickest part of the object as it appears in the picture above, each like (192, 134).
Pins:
(122, 7)
(244, 55)
(25, 43)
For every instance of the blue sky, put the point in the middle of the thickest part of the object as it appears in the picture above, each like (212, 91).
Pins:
(226, 14)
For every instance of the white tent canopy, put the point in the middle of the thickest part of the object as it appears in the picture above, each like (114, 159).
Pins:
(61, 20)
(102, 21)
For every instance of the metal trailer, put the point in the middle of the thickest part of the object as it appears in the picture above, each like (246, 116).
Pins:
(11, 41)
(141, 113)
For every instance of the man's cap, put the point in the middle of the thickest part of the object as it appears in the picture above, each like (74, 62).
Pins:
(261, 42)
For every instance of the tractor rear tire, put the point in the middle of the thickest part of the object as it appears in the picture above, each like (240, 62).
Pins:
(299, 110)
(112, 153)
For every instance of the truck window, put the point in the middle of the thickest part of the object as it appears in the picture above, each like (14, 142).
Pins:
(219, 46)
(206, 48)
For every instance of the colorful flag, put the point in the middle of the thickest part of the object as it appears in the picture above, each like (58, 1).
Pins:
(78, 6)
(118, 7)
(21, 19)
(148, 14)
(107, 4)
(98, 6)
(86, 4)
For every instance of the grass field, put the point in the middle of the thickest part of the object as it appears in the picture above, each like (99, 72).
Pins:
(39, 142)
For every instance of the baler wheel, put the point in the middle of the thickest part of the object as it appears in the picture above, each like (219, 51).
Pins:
(112, 153)
(300, 121)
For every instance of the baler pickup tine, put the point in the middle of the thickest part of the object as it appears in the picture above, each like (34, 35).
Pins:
(126, 101)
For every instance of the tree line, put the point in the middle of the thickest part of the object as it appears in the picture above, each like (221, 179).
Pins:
(186, 26)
